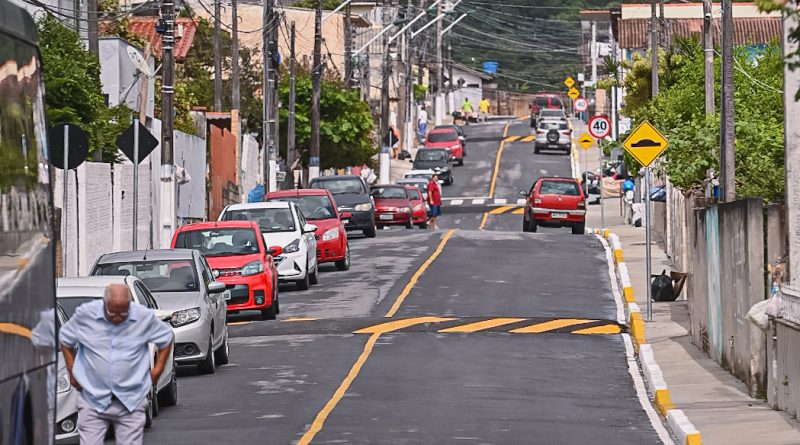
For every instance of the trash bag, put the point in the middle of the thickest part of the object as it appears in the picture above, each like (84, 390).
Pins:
(758, 315)
(256, 194)
(661, 288)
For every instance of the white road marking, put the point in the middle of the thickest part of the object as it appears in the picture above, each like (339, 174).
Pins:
(542, 171)
(457, 202)
(641, 392)
(521, 201)
(500, 201)
(478, 201)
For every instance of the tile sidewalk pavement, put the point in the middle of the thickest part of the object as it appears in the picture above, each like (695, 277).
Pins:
(717, 403)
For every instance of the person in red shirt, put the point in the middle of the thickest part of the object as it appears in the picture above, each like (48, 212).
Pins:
(434, 200)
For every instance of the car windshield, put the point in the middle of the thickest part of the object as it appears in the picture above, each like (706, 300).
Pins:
(219, 242)
(442, 136)
(422, 185)
(158, 276)
(340, 186)
(70, 304)
(541, 101)
(312, 206)
(567, 188)
(269, 220)
(431, 155)
(414, 194)
(389, 192)
(551, 113)
(456, 128)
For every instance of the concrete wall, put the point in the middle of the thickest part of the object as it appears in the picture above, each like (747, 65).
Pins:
(783, 391)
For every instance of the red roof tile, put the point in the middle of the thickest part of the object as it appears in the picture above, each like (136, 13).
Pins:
(633, 33)
(146, 27)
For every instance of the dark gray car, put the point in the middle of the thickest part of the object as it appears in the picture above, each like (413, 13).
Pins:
(351, 194)
(436, 159)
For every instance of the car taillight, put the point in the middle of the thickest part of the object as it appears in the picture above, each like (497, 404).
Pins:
(537, 202)
(540, 131)
(455, 147)
(567, 132)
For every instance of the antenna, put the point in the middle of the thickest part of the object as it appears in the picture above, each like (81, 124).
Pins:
(139, 62)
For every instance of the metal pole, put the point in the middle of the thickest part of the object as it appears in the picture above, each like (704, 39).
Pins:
(384, 158)
(647, 241)
(653, 50)
(438, 103)
(348, 48)
(266, 94)
(217, 59)
(593, 53)
(708, 49)
(316, 83)
(290, 122)
(602, 202)
(65, 203)
(235, 89)
(410, 114)
(168, 193)
(455, 22)
(727, 128)
(135, 183)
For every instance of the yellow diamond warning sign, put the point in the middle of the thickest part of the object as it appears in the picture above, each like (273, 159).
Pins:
(586, 141)
(573, 93)
(569, 81)
(645, 143)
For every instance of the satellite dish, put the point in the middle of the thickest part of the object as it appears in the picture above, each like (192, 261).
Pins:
(139, 62)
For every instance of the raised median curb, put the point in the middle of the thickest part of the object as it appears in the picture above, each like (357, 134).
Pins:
(678, 424)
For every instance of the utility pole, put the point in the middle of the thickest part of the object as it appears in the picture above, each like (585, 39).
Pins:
(653, 50)
(451, 100)
(316, 94)
(593, 52)
(94, 48)
(708, 49)
(275, 102)
(614, 116)
(348, 47)
(385, 158)
(438, 105)
(290, 123)
(235, 94)
(217, 58)
(791, 107)
(266, 82)
(168, 189)
(409, 85)
(727, 130)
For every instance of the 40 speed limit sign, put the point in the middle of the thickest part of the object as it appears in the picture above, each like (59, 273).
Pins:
(599, 127)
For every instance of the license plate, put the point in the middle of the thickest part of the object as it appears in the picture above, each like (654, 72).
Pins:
(558, 215)
(227, 295)
(386, 217)
(552, 146)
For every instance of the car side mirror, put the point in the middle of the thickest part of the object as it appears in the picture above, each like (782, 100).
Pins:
(309, 228)
(275, 250)
(523, 193)
(346, 215)
(462, 138)
(216, 287)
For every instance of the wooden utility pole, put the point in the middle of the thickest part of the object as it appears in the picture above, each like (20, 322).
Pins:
(290, 123)
(438, 102)
(348, 47)
(266, 87)
(727, 128)
(235, 93)
(316, 94)
(94, 48)
(708, 49)
(168, 188)
(217, 58)
(653, 50)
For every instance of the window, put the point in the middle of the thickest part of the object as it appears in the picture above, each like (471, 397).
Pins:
(269, 220)
(389, 192)
(145, 296)
(431, 155)
(341, 186)
(313, 207)
(219, 241)
(158, 276)
(448, 136)
(413, 194)
(567, 188)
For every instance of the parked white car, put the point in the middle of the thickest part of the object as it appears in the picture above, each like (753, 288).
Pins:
(73, 292)
(283, 224)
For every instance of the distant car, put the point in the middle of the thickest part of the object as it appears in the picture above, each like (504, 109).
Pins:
(352, 195)
(421, 183)
(436, 159)
(319, 207)
(544, 101)
(446, 138)
(283, 224)
(73, 292)
(419, 207)
(182, 282)
(462, 136)
(553, 135)
(551, 114)
(239, 257)
(554, 202)
(392, 205)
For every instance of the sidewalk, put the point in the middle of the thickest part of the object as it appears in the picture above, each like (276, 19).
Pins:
(716, 403)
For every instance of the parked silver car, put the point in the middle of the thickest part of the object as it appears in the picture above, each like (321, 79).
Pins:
(553, 135)
(181, 281)
(73, 292)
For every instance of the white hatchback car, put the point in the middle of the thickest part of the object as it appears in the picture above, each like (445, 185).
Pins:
(553, 135)
(283, 224)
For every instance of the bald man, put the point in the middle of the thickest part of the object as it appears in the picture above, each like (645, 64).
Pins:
(105, 346)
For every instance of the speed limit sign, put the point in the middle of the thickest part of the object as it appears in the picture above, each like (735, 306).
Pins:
(599, 127)
(581, 104)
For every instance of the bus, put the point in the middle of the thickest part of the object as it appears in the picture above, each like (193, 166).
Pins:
(28, 336)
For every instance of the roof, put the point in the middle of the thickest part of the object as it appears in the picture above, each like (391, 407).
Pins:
(298, 192)
(185, 29)
(91, 282)
(259, 205)
(633, 33)
(481, 74)
(443, 129)
(335, 177)
(18, 22)
(147, 255)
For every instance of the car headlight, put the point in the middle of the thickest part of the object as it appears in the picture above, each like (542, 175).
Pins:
(405, 210)
(252, 268)
(331, 234)
(365, 207)
(184, 317)
(292, 247)
(418, 207)
(63, 385)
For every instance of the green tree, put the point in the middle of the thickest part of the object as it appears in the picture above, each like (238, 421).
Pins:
(328, 5)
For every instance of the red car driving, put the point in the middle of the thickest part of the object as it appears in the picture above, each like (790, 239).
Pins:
(419, 208)
(555, 202)
(446, 138)
(392, 206)
(240, 259)
(319, 208)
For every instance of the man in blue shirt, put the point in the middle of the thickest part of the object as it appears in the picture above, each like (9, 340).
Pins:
(105, 346)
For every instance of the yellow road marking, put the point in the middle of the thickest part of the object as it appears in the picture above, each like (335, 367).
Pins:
(238, 323)
(501, 209)
(418, 273)
(497, 163)
(299, 319)
(482, 325)
(319, 421)
(528, 138)
(604, 329)
(512, 138)
(518, 211)
(483, 220)
(391, 326)
(15, 329)
(550, 325)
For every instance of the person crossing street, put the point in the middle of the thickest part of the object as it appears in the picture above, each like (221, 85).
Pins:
(483, 109)
(466, 110)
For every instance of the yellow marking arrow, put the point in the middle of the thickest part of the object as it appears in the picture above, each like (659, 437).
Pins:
(512, 138)
(518, 211)
(390, 326)
(604, 329)
(528, 138)
(482, 325)
(501, 209)
(550, 325)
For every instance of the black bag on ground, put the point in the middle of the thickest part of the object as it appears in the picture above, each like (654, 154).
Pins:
(661, 288)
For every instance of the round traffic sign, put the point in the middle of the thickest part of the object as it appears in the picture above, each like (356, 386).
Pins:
(581, 104)
(599, 127)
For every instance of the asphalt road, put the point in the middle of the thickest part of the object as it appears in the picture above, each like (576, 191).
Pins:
(487, 336)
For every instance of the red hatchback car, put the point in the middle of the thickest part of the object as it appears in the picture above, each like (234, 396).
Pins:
(555, 202)
(392, 206)
(319, 208)
(237, 253)
(419, 208)
(446, 138)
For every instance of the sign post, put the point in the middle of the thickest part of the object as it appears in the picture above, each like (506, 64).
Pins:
(569, 81)
(646, 143)
(600, 127)
(581, 104)
(137, 143)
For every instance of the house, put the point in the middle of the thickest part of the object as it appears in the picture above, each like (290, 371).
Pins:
(467, 83)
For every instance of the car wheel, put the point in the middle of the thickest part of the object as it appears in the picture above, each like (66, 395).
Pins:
(148, 411)
(532, 225)
(344, 264)
(222, 354)
(536, 149)
(208, 365)
(169, 395)
(270, 313)
(579, 229)
(305, 283)
(410, 224)
(525, 226)
(423, 225)
(276, 301)
(313, 277)
(461, 162)
(371, 232)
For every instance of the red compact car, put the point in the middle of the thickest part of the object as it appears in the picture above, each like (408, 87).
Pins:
(446, 138)
(419, 208)
(319, 208)
(240, 259)
(555, 202)
(392, 206)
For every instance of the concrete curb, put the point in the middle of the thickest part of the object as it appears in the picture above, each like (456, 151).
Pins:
(677, 422)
